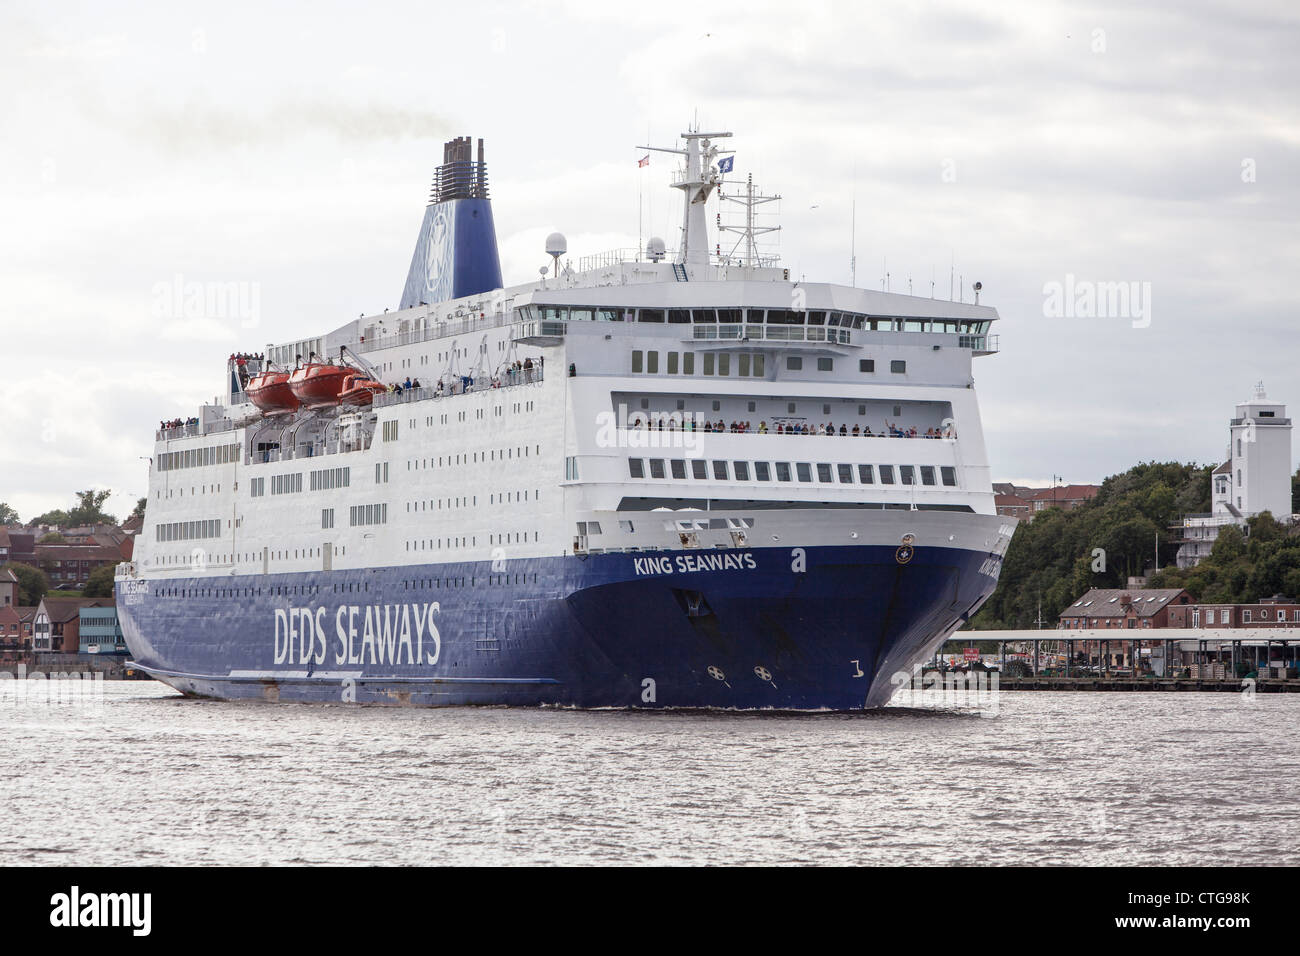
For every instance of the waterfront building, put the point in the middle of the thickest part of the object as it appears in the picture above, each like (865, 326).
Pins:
(99, 631)
(56, 627)
(1123, 608)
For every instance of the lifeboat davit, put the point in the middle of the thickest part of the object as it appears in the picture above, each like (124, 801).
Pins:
(270, 392)
(360, 390)
(318, 385)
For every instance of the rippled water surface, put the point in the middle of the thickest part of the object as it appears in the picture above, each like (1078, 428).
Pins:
(149, 777)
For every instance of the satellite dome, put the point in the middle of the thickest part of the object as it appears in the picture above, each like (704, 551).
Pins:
(556, 244)
(655, 249)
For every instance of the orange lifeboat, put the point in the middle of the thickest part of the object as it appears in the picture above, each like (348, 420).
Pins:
(270, 392)
(318, 385)
(360, 390)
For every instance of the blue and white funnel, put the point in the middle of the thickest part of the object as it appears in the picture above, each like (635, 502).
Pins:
(456, 252)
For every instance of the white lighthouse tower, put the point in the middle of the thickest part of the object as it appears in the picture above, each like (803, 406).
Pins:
(1260, 457)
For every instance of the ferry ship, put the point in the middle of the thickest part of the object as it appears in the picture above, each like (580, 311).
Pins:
(641, 480)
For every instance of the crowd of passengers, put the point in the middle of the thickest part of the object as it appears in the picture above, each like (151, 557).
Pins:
(510, 374)
(688, 424)
(178, 423)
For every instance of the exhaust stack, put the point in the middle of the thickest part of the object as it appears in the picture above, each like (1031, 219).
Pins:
(456, 250)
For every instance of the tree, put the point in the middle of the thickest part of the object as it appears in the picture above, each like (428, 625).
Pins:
(32, 583)
(52, 538)
(138, 510)
(89, 507)
(8, 515)
(56, 518)
(100, 582)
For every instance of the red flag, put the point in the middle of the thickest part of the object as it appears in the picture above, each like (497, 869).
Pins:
(644, 160)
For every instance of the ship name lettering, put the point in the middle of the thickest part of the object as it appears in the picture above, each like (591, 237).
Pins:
(366, 634)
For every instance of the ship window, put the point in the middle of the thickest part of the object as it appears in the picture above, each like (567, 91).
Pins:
(635, 468)
(679, 468)
(742, 365)
(699, 468)
(816, 318)
(927, 474)
(672, 363)
(705, 315)
(794, 363)
(762, 473)
(637, 361)
(759, 363)
(717, 406)
(752, 406)
(948, 474)
(652, 363)
(720, 470)
(898, 366)
(708, 363)
(752, 316)
(733, 316)
(782, 471)
(906, 474)
(826, 409)
(824, 472)
(866, 475)
(609, 315)
(688, 363)
(741, 469)
(804, 470)
(886, 474)
(846, 474)
(679, 316)
(825, 365)
(581, 315)
(656, 467)
(866, 365)
(724, 363)
(790, 408)
(650, 315)
(553, 313)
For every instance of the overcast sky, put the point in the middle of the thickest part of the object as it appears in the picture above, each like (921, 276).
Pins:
(289, 146)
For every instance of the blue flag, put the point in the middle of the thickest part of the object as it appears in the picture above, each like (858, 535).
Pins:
(724, 164)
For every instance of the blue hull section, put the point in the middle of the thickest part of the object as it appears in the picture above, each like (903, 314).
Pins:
(800, 629)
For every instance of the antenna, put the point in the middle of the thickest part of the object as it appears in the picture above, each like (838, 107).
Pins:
(853, 240)
(749, 232)
(696, 180)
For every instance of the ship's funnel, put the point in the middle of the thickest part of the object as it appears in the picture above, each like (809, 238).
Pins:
(456, 252)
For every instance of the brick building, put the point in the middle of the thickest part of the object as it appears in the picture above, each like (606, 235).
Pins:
(68, 566)
(1013, 506)
(1277, 611)
(57, 624)
(1123, 608)
(1067, 497)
